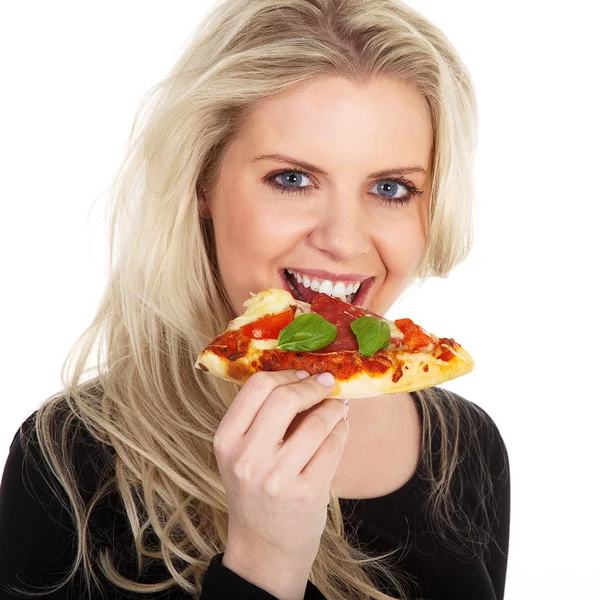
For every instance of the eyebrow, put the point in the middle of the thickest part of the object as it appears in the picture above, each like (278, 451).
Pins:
(315, 169)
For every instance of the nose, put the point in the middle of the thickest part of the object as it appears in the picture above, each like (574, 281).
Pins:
(341, 231)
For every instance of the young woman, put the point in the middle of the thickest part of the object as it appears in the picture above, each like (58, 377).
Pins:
(334, 138)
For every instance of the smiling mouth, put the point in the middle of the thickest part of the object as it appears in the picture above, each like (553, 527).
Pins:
(306, 294)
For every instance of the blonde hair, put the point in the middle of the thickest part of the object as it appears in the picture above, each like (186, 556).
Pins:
(164, 300)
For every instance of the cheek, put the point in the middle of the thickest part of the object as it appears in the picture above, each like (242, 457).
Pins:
(255, 229)
(258, 230)
(242, 225)
(401, 248)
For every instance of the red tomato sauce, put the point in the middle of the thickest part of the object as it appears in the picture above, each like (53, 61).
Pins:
(341, 357)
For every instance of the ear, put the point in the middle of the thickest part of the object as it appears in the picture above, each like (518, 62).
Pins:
(203, 205)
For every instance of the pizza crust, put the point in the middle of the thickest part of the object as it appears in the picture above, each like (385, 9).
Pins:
(361, 385)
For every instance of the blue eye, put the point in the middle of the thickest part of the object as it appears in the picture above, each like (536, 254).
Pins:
(389, 188)
(386, 188)
(294, 178)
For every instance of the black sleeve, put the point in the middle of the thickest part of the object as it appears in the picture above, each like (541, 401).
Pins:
(221, 583)
(496, 562)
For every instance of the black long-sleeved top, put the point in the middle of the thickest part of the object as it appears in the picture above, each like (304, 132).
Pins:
(37, 535)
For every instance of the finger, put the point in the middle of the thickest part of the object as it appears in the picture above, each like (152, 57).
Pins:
(324, 463)
(307, 438)
(250, 398)
(282, 406)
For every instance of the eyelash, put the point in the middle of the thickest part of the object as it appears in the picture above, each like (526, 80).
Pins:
(292, 190)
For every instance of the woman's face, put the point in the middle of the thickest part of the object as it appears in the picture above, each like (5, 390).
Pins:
(329, 213)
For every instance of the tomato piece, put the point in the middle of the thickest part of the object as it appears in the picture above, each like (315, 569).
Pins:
(269, 327)
(446, 356)
(414, 335)
(403, 324)
(406, 326)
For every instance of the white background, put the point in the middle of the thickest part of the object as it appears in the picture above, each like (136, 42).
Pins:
(524, 304)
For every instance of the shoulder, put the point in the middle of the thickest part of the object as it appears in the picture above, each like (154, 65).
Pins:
(474, 429)
(469, 450)
(28, 468)
(37, 515)
(479, 420)
(488, 434)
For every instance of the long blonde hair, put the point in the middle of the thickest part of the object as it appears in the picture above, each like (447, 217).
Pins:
(164, 300)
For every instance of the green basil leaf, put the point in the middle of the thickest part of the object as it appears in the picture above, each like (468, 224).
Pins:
(372, 334)
(306, 333)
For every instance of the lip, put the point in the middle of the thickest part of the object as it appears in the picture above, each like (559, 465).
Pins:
(363, 292)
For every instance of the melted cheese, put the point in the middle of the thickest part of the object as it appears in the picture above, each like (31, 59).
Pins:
(264, 344)
(267, 302)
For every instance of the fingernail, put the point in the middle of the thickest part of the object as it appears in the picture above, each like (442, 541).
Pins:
(326, 379)
(302, 374)
(346, 401)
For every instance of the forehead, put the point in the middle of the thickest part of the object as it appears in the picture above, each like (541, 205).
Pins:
(333, 121)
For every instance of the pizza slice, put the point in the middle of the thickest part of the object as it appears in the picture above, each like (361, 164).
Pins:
(367, 354)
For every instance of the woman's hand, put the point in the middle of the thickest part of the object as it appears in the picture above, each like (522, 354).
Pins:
(278, 448)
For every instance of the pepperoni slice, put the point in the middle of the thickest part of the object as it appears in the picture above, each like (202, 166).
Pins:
(341, 314)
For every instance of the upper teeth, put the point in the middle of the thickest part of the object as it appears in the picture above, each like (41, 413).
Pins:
(340, 289)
